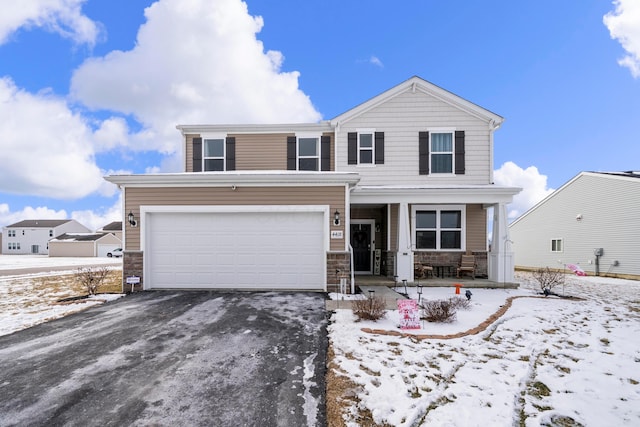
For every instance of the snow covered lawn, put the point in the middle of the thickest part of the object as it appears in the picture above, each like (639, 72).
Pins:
(546, 361)
(29, 299)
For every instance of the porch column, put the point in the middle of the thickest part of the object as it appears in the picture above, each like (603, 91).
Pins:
(501, 261)
(404, 256)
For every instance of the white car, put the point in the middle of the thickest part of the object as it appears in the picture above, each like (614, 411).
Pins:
(115, 253)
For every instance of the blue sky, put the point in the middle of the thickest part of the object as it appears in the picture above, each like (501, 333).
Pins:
(89, 88)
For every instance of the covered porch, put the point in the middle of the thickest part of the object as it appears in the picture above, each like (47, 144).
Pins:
(385, 240)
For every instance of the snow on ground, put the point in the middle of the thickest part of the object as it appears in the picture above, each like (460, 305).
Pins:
(16, 262)
(29, 299)
(547, 361)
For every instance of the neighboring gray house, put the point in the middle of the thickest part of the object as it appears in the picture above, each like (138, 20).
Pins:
(590, 221)
(32, 236)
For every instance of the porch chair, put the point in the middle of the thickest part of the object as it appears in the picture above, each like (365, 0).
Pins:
(467, 265)
(422, 271)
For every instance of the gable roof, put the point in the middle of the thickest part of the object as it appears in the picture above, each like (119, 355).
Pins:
(39, 223)
(627, 176)
(416, 83)
(113, 226)
(79, 237)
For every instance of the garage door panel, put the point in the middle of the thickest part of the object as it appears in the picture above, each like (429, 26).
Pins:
(273, 250)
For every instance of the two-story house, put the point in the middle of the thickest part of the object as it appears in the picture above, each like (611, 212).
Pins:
(406, 176)
(32, 236)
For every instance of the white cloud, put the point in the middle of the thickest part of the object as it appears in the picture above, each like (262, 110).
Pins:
(195, 61)
(624, 25)
(95, 220)
(92, 219)
(63, 17)
(8, 217)
(376, 61)
(533, 184)
(46, 148)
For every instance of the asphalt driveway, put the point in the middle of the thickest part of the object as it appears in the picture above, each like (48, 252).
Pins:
(171, 358)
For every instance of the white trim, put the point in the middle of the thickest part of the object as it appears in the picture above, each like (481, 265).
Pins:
(248, 178)
(438, 209)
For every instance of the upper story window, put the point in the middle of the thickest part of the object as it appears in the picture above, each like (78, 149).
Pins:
(441, 152)
(213, 155)
(365, 147)
(556, 245)
(11, 233)
(438, 227)
(308, 154)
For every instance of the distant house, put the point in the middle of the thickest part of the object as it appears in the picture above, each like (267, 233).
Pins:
(114, 227)
(32, 236)
(83, 245)
(590, 221)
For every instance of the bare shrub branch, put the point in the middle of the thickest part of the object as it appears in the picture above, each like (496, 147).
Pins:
(439, 311)
(460, 303)
(548, 279)
(91, 278)
(369, 309)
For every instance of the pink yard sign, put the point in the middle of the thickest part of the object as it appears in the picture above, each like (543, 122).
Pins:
(409, 314)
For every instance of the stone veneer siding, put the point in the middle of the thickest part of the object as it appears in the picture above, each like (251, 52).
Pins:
(338, 261)
(132, 265)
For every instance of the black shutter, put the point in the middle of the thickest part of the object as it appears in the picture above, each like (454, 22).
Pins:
(352, 148)
(379, 138)
(197, 154)
(325, 153)
(459, 150)
(423, 153)
(231, 153)
(291, 153)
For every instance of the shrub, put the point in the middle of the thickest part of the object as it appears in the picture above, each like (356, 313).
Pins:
(369, 309)
(439, 311)
(460, 303)
(91, 278)
(548, 279)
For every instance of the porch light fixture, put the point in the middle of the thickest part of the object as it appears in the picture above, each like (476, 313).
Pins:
(336, 218)
(132, 219)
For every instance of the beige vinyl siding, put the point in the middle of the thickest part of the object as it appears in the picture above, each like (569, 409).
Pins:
(608, 207)
(261, 151)
(257, 151)
(476, 228)
(224, 196)
(401, 119)
(72, 249)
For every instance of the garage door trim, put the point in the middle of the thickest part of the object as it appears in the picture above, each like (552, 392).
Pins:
(146, 211)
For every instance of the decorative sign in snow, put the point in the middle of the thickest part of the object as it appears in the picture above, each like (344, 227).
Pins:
(409, 314)
(133, 280)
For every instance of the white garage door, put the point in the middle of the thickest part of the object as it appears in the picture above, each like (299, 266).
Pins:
(246, 250)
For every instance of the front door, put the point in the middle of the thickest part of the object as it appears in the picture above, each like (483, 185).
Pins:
(35, 249)
(361, 242)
